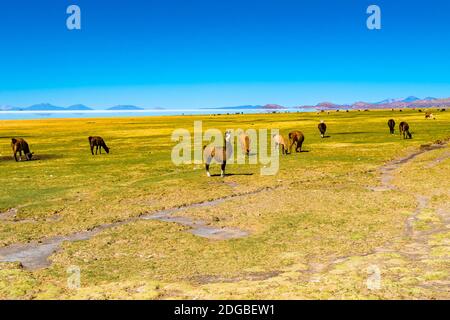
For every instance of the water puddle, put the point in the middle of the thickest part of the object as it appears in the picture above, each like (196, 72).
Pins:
(198, 227)
(35, 255)
(8, 215)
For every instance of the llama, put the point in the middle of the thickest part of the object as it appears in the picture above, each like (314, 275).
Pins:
(98, 143)
(391, 124)
(404, 130)
(245, 143)
(220, 154)
(19, 145)
(297, 138)
(279, 141)
(322, 128)
(429, 116)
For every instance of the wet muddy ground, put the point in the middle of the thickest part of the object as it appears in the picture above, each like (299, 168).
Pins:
(35, 255)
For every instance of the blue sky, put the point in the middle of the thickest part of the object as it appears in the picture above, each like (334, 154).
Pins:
(175, 54)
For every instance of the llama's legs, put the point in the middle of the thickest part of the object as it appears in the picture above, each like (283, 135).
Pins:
(92, 150)
(208, 161)
(222, 172)
(15, 156)
(96, 150)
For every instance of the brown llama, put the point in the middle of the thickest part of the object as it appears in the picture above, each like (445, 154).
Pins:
(297, 138)
(244, 140)
(98, 143)
(404, 130)
(322, 128)
(391, 125)
(19, 145)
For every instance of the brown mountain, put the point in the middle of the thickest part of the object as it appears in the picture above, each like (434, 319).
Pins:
(410, 102)
(273, 107)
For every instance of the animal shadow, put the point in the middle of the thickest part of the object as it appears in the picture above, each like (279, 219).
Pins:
(41, 157)
(358, 132)
(303, 151)
(232, 174)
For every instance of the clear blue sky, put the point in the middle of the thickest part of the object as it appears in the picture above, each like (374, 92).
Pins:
(202, 53)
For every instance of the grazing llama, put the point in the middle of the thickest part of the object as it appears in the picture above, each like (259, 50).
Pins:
(279, 141)
(244, 140)
(404, 130)
(297, 138)
(19, 145)
(98, 143)
(429, 116)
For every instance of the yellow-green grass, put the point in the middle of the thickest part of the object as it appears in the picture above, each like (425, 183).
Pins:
(318, 209)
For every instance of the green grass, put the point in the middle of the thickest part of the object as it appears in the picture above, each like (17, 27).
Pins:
(321, 210)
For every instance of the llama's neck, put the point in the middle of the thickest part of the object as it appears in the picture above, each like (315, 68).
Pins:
(228, 147)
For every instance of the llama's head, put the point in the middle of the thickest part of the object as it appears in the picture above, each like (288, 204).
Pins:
(409, 135)
(29, 155)
(228, 136)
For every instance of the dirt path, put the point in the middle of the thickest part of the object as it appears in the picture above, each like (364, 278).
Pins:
(387, 171)
(414, 246)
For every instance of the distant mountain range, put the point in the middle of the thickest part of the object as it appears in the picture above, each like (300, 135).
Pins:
(77, 107)
(127, 107)
(409, 102)
(267, 107)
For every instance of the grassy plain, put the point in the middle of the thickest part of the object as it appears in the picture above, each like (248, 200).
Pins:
(316, 229)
